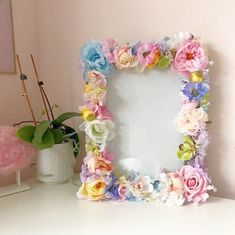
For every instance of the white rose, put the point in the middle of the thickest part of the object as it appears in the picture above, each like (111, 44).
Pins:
(99, 130)
(142, 184)
(189, 121)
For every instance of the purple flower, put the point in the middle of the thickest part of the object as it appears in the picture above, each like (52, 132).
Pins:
(195, 91)
(86, 175)
(112, 189)
(198, 162)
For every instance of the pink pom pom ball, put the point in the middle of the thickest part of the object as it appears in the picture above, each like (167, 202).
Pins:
(15, 154)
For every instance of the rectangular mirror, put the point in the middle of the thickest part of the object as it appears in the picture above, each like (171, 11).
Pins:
(144, 107)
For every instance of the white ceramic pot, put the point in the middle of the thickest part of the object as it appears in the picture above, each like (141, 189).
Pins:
(55, 164)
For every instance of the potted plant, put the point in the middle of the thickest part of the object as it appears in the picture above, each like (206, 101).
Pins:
(56, 142)
(57, 145)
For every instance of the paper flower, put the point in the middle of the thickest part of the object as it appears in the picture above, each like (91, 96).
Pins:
(123, 191)
(91, 111)
(148, 54)
(92, 191)
(93, 58)
(176, 184)
(142, 184)
(195, 91)
(103, 113)
(99, 165)
(113, 192)
(188, 104)
(94, 89)
(106, 154)
(124, 58)
(195, 184)
(96, 95)
(96, 79)
(190, 121)
(99, 131)
(87, 113)
(186, 150)
(196, 76)
(108, 47)
(190, 57)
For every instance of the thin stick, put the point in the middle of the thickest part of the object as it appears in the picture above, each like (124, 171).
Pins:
(25, 92)
(43, 93)
(50, 108)
(40, 87)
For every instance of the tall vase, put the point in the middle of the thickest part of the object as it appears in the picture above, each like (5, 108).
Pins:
(55, 164)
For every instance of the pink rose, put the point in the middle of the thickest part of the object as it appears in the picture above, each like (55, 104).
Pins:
(195, 184)
(190, 57)
(124, 58)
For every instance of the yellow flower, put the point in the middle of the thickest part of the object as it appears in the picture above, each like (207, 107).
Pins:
(196, 77)
(88, 115)
(92, 191)
(86, 88)
(155, 60)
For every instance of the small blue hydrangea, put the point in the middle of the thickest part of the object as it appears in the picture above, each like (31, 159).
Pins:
(93, 58)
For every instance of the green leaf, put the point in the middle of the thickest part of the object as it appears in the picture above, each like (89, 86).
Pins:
(58, 135)
(26, 133)
(47, 141)
(164, 62)
(40, 131)
(65, 116)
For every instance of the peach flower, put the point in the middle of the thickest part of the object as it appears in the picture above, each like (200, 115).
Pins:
(99, 165)
(124, 58)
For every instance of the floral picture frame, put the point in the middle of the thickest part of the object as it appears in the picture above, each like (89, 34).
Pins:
(184, 54)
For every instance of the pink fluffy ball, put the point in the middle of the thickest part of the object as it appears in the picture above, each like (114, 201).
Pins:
(15, 154)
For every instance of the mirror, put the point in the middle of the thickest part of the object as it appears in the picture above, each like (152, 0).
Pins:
(144, 107)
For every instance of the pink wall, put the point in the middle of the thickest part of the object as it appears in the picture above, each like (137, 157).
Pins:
(12, 105)
(63, 26)
(66, 25)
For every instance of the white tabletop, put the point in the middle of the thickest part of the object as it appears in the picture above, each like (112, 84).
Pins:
(54, 210)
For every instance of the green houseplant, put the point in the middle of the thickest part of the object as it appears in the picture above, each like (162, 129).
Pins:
(47, 133)
(57, 143)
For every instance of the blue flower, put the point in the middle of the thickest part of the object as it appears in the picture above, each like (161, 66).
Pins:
(112, 188)
(195, 91)
(93, 58)
(113, 192)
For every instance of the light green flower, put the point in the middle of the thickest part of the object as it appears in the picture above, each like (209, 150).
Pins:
(187, 149)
